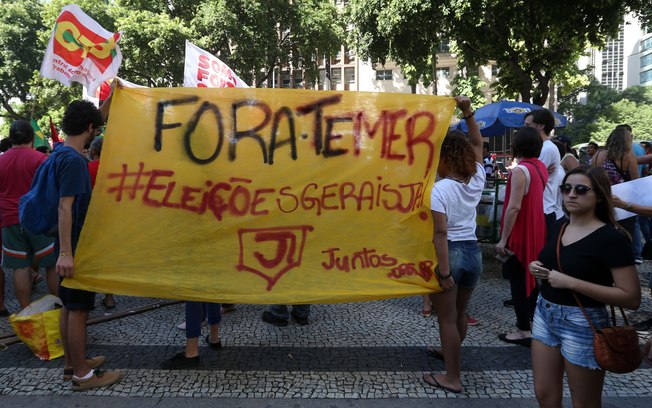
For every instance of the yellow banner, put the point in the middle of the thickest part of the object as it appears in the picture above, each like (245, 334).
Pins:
(264, 196)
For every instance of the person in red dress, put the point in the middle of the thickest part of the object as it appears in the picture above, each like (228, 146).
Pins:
(523, 229)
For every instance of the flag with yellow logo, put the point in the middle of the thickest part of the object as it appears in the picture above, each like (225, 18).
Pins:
(80, 50)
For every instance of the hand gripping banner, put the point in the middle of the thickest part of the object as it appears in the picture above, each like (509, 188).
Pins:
(264, 196)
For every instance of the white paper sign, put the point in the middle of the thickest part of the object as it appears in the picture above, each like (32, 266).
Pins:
(635, 191)
(204, 70)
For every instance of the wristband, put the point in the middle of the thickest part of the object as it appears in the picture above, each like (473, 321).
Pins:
(442, 277)
(62, 254)
(469, 116)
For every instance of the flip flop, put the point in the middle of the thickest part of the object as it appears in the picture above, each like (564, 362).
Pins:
(433, 382)
(433, 352)
(426, 313)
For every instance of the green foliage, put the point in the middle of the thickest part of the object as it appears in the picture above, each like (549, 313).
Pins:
(471, 86)
(256, 36)
(21, 53)
(606, 108)
(405, 31)
(252, 37)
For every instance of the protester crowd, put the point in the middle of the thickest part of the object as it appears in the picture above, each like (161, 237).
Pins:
(561, 248)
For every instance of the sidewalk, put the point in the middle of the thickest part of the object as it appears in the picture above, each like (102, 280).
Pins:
(354, 355)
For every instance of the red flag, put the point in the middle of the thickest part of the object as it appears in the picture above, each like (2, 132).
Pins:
(53, 132)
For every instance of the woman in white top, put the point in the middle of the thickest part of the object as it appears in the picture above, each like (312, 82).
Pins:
(454, 199)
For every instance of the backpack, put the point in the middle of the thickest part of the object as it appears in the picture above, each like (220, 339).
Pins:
(38, 208)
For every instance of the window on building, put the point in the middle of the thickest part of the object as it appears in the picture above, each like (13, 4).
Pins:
(443, 72)
(285, 79)
(646, 60)
(444, 46)
(646, 77)
(383, 75)
(495, 70)
(349, 55)
(646, 44)
(298, 79)
(336, 76)
(349, 75)
(322, 79)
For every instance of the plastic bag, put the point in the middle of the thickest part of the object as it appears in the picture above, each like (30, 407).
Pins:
(38, 326)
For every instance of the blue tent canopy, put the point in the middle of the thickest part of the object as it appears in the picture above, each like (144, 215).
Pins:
(494, 119)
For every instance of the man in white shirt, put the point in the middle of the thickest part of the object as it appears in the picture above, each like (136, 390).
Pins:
(543, 121)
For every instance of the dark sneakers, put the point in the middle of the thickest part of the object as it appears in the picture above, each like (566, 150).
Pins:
(508, 303)
(303, 321)
(268, 317)
(180, 361)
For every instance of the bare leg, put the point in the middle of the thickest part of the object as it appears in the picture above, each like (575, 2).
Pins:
(109, 301)
(63, 326)
(2, 289)
(214, 335)
(53, 280)
(427, 306)
(192, 347)
(548, 372)
(445, 305)
(463, 297)
(23, 285)
(76, 336)
(585, 386)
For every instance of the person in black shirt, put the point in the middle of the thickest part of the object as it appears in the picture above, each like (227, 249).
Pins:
(596, 262)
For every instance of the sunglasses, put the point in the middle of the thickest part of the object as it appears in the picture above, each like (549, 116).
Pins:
(580, 189)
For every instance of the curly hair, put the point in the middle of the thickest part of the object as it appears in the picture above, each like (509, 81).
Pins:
(458, 155)
(78, 116)
(619, 143)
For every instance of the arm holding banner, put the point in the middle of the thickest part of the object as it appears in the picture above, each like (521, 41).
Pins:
(475, 137)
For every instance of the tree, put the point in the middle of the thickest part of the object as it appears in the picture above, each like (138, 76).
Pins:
(257, 36)
(468, 83)
(405, 31)
(20, 54)
(605, 108)
(531, 41)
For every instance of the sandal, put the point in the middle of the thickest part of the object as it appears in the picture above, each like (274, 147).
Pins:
(426, 313)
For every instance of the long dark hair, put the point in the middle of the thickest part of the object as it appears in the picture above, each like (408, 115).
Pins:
(604, 208)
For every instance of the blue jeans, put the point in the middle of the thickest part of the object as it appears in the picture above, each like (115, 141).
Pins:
(567, 328)
(195, 313)
(465, 263)
(281, 311)
(637, 243)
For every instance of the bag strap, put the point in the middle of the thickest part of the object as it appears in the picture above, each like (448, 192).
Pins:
(538, 171)
(613, 311)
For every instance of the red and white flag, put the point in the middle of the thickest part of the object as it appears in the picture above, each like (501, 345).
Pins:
(204, 70)
(80, 50)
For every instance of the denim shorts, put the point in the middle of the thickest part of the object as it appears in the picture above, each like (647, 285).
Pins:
(565, 326)
(465, 263)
